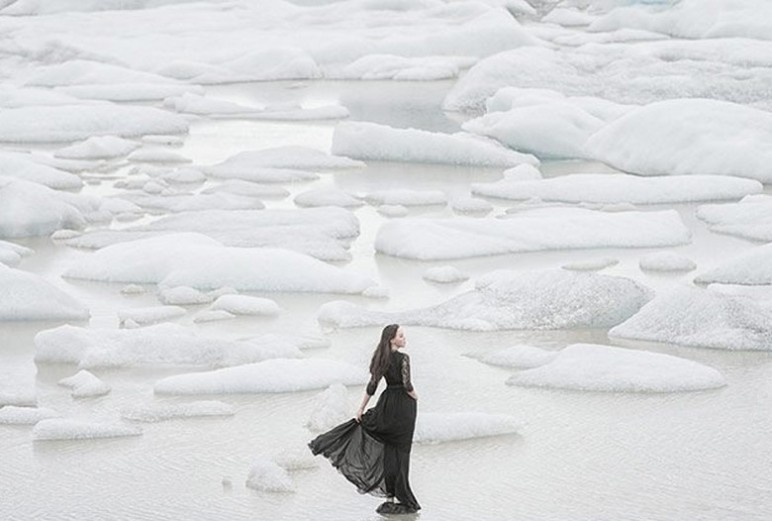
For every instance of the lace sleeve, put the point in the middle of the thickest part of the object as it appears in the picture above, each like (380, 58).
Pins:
(406, 373)
(372, 385)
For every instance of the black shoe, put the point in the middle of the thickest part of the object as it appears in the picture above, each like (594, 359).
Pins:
(389, 508)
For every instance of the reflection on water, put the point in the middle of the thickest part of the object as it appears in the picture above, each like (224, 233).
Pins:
(580, 456)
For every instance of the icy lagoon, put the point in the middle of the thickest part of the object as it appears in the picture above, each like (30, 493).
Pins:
(528, 451)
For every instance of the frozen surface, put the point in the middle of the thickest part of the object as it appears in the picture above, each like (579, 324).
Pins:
(270, 376)
(595, 264)
(529, 230)
(331, 407)
(161, 412)
(327, 197)
(666, 261)
(701, 318)
(11, 253)
(435, 427)
(24, 167)
(751, 218)
(549, 299)
(203, 106)
(84, 384)
(12, 415)
(445, 274)
(151, 315)
(751, 267)
(519, 357)
(98, 147)
(67, 429)
(267, 476)
(27, 296)
(589, 367)
(406, 197)
(293, 157)
(246, 305)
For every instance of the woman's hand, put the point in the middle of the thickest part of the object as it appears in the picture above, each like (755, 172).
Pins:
(359, 415)
(413, 395)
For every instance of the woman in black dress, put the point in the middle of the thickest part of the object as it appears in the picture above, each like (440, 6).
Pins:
(373, 450)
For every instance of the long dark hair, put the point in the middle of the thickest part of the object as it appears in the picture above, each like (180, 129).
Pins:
(380, 360)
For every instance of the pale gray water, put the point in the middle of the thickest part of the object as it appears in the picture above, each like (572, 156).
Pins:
(580, 456)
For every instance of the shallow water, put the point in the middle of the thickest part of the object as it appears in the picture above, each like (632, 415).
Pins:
(579, 456)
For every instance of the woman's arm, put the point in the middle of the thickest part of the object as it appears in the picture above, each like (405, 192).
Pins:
(406, 377)
(372, 385)
(362, 407)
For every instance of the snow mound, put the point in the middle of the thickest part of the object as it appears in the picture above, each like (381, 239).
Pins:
(327, 197)
(12, 415)
(194, 260)
(27, 296)
(270, 376)
(85, 384)
(300, 459)
(751, 267)
(11, 254)
(590, 264)
(529, 230)
(550, 299)
(74, 123)
(157, 155)
(183, 296)
(621, 188)
(331, 408)
(519, 357)
(23, 166)
(751, 218)
(701, 318)
(204, 106)
(406, 197)
(98, 147)
(590, 367)
(290, 157)
(393, 210)
(382, 143)
(686, 137)
(434, 427)
(666, 261)
(212, 316)
(246, 305)
(266, 476)
(159, 345)
(247, 188)
(162, 412)
(445, 274)
(471, 205)
(25, 398)
(66, 429)
(151, 315)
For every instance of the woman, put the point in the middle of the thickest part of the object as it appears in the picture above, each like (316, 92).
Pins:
(373, 450)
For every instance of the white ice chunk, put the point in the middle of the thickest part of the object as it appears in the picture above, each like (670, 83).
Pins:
(134, 289)
(666, 261)
(529, 230)
(519, 357)
(327, 197)
(161, 412)
(67, 429)
(151, 315)
(751, 218)
(11, 254)
(435, 427)
(12, 415)
(331, 408)
(73, 123)
(208, 315)
(270, 376)
(25, 398)
(183, 296)
(377, 292)
(200, 105)
(299, 459)
(445, 274)
(26, 296)
(687, 137)
(591, 367)
(290, 157)
(382, 143)
(84, 384)
(568, 17)
(620, 188)
(590, 264)
(98, 147)
(751, 267)
(406, 197)
(697, 317)
(471, 205)
(188, 175)
(85, 72)
(157, 199)
(246, 305)
(23, 166)
(159, 345)
(157, 155)
(237, 186)
(129, 91)
(552, 299)
(393, 210)
(390, 67)
(194, 260)
(266, 476)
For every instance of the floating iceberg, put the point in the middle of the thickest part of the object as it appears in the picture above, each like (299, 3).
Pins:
(267, 476)
(751, 218)
(434, 427)
(551, 299)
(27, 296)
(23, 166)
(445, 274)
(666, 261)
(98, 147)
(84, 384)
(520, 357)
(751, 267)
(66, 429)
(590, 367)
(162, 412)
(327, 197)
(12, 415)
(246, 305)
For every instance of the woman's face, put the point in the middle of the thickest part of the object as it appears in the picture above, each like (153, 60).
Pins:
(399, 339)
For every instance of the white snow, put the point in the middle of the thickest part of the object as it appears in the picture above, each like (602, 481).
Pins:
(391, 67)
(279, 165)
(74, 123)
(266, 476)
(24, 398)
(751, 267)
(406, 197)
(98, 147)
(183, 202)
(11, 254)
(591, 367)
(550, 299)
(157, 155)
(445, 274)
(331, 407)
(170, 411)
(189, 259)
(12, 415)
(595, 264)
(393, 210)
(128, 91)
(697, 317)
(751, 218)
(68, 429)
(519, 357)
(151, 315)
(207, 315)
(200, 105)
(567, 17)
(297, 459)
(270, 376)
(134, 289)
(529, 230)
(371, 141)
(24, 166)
(27, 296)
(687, 137)
(327, 197)
(84, 384)
(435, 427)
(622, 188)
(666, 261)
(471, 205)
(246, 188)
(183, 296)
(246, 305)
(158, 345)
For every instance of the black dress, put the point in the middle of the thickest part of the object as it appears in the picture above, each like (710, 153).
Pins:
(374, 455)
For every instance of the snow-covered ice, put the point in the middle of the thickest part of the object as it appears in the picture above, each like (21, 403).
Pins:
(27, 296)
(436, 427)
(519, 356)
(24, 166)
(158, 412)
(203, 106)
(406, 197)
(18, 398)
(85, 384)
(471, 206)
(331, 407)
(596, 264)
(98, 147)
(445, 274)
(151, 314)
(183, 296)
(289, 163)
(666, 261)
(751, 218)
(266, 475)
(11, 253)
(246, 305)
(752, 267)
(591, 367)
(247, 188)
(327, 197)
(69, 429)
(393, 210)
(157, 155)
(12, 415)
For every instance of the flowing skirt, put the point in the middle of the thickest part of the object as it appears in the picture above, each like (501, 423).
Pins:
(374, 455)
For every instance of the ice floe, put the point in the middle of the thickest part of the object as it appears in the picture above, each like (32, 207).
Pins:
(150, 315)
(445, 274)
(158, 345)
(24, 398)
(171, 202)
(11, 254)
(529, 230)
(183, 296)
(270, 376)
(406, 197)
(622, 188)
(68, 429)
(751, 267)
(591, 367)
(171, 411)
(666, 261)
(550, 299)
(519, 356)
(471, 206)
(84, 384)
(239, 187)
(208, 315)
(331, 407)
(12, 415)
(751, 218)
(189, 259)
(327, 197)
(267, 476)
(23, 166)
(98, 147)
(435, 427)
(393, 210)
(27, 296)
(596, 264)
(372, 141)
(200, 105)
(246, 305)
(157, 155)
(401, 68)
(278, 164)
(701, 318)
